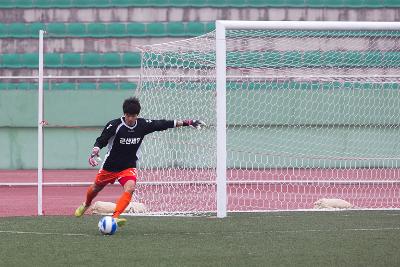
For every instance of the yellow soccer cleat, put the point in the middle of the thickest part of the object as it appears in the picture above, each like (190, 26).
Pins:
(81, 210)
(120, 221)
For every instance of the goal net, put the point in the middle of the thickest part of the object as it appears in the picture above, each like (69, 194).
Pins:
(312, 111)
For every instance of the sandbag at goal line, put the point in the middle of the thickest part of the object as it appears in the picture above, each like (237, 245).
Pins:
(106, 208)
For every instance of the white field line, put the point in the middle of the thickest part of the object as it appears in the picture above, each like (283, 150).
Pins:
(229, 233)
(281, 231)
(40, 233)
(278, 231)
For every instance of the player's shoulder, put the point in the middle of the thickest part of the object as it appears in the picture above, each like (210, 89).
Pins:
(143, 121)
(113, 123)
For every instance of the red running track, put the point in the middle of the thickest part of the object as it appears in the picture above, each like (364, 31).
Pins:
(261, 194)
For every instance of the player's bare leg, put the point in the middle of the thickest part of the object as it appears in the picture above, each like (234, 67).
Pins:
(124, 201)
(91, 193)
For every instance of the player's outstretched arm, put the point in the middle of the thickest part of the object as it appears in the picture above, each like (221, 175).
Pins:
(94, 156)
(192, 123)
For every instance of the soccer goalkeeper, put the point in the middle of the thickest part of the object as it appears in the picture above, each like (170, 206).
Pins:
(124, 137)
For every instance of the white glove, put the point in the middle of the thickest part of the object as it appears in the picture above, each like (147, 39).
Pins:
(94, 157)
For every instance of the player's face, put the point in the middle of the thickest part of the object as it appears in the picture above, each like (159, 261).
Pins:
(130, 119)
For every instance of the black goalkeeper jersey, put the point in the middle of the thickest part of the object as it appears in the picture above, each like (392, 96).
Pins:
(124, 141)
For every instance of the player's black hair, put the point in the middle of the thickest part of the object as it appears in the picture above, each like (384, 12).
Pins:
(131, 106)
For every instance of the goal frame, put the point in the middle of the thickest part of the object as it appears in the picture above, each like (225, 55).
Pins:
(221, 75)
(221, 26)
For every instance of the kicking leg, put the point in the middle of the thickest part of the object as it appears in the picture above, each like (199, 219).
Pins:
(91, 193)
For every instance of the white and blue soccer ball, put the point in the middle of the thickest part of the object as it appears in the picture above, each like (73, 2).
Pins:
(108, 225)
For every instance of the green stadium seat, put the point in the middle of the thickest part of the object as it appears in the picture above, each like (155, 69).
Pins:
(131, 60)
(209, 27)
(315, 3)
(3, 30)
(24, 86)
(353, 59)
(372, 3)
(53, 4)
(10, 61)
(12, 86)
(96, 30)
(154, 3)
(189, 3)
(63, 86)
(327, 3)
(175, 29)
(116, 29)
(7, 4)
(71, 60)
(135, 29)
(87, 86)
(351, 4)
(76, 29)
(92, 60)
(52, 60)
(323, 3)
(271, 59)
(25, 3)
(296, 3)
(269, 3)
(17, 30)
(34, 28)
(313, 59)
(292, 59)
(56, 29)
(391, 86)
(334, 58)
(91, 3)
(233, 3)
(127, 86)
(29, 60)
(155, 29)
(391, 3)
(127, 3)
(221, 3)
(194, 28)
(373, 59)
(112, 60)
(392, 59)
(180, 3)
(66, 4)
(108, 86)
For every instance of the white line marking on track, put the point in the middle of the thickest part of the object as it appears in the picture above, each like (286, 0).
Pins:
(40, 233)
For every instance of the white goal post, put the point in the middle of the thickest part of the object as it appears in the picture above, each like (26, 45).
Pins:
(296, 112)
(221, 77)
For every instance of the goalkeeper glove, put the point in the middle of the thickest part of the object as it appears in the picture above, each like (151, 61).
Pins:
(94, 157)
(194, 123)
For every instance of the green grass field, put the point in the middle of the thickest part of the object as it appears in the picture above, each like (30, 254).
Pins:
(346, 238)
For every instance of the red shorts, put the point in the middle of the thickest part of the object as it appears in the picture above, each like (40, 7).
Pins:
(104, 177)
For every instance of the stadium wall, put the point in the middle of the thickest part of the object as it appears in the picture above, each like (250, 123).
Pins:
(77, 117)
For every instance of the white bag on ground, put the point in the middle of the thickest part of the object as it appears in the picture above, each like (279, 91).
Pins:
(332, 203)
(103, 208)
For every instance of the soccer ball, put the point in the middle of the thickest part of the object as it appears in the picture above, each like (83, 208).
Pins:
(108, 225)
